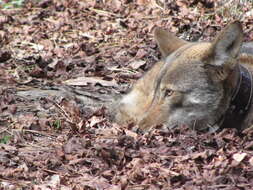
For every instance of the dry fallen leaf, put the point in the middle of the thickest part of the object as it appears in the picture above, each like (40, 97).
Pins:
(251, 161)
(239, 156)
(131, 134)
(67, 145)
(137, 64)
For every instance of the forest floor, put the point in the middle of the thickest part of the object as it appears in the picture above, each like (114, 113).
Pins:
(58, 55)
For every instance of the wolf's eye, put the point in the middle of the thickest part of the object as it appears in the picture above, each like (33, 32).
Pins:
(168, 92)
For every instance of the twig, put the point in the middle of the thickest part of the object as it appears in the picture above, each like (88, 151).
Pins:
(51, 171)
(29, 145)
(159, 6)
(68, 118)
(16, 182)
(2, 131)
(102, 12)
(230, 185)
(39, 132)
(73, 125)
(5, 130)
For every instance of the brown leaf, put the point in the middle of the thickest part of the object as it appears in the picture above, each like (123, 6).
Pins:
(141, 53)
(142, 2)
(74, 145)
(137, 64)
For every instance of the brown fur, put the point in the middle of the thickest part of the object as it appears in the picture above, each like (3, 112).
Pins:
(193, 83)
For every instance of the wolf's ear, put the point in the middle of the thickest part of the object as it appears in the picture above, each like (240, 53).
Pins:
(167, 42)
(228, 43)
(224, 51)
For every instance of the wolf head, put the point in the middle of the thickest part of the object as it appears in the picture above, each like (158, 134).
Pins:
(196, 81)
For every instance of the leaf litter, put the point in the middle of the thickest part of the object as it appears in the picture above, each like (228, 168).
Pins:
(97, 49)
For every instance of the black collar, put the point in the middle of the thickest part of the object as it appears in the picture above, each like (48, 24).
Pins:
(240, 102)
